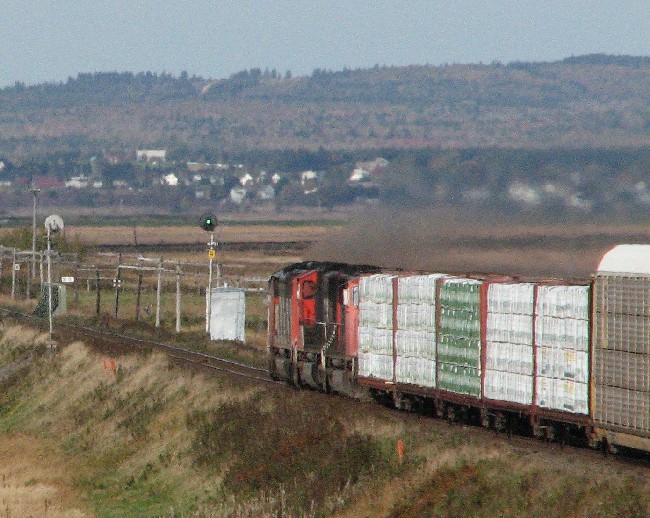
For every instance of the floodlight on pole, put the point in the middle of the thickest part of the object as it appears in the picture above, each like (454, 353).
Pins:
(53, 224)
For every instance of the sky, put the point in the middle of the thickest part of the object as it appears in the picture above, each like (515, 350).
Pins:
(51, 40)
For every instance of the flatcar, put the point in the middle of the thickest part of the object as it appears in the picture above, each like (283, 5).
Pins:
(556, 357)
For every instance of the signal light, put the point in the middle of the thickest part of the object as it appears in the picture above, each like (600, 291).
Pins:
(208, 223)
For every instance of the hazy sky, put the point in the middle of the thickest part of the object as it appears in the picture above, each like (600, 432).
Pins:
(49, 40)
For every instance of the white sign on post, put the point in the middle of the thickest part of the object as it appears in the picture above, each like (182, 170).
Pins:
(67, 280)
(17, 267)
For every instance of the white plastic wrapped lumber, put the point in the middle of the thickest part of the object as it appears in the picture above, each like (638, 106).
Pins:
(372, 365)
(563, 364)
(563, 301)
(509, 357)
(418, 289)
(416, 371)
(510, 298)
(375, 340)
(414, 343)
(510, 327)
(376, 314)
(561, 394)
(416, 316)
(508, 386)
(564, 333)
(376, 288)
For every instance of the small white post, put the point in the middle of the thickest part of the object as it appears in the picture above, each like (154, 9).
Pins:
(158, 290)
(13, 276)
(178, 297)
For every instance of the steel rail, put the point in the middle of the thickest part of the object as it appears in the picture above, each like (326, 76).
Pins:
(172, 351)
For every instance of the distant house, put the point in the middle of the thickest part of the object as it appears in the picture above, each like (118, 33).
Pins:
(170, 180)
(266, 193)
(524, 194)
(151, 155)
(196, 167)
(120, 184)
(359, 175)
(309, 182)
(247, 179)
(276, 178)
(77, 182)
(238, 195)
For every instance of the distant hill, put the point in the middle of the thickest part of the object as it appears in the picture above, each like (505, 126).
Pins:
(594, 101)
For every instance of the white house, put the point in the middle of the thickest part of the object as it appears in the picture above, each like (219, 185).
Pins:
(237, 194)
(359, 174)
(247, 179)
(266, 193)
(170, 180)
(522, 193)
(151, 155)
(77, 182)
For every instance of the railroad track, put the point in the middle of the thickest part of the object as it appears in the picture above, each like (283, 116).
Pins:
(178, 354)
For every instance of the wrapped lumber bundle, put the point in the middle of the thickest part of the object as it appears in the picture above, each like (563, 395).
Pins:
(562, 340)
(416, 330)
(509, 347)
(459, 346)
(376, 327)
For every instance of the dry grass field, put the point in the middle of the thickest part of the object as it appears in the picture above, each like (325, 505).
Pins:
(117, 235)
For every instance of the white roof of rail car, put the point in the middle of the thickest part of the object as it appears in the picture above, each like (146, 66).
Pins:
(626, 259)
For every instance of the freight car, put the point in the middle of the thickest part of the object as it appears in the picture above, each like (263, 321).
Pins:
(556, 357)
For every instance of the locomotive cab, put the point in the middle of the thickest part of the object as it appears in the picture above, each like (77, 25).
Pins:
(309, 343)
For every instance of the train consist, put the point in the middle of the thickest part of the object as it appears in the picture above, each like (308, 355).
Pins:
(559, 358)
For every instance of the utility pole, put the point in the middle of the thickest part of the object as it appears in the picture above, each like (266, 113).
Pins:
(32, 272)
(53, 224)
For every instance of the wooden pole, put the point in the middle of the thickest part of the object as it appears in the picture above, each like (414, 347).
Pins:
(178, 297)
(97, 292)
(76, 282)
(41, 271)
(138, 295)
(117, 291)
(13, 275)
(29, 283)
(158, 291)
(49, 280)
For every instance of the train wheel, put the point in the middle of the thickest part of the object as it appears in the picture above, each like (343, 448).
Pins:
(271, 367)
(485, 418)
(612, 449)
(295, 375)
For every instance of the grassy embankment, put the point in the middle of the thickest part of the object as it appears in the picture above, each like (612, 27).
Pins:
(78, 438)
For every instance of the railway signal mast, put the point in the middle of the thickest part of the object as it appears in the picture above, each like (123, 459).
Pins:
(209, 223)
(53, 224)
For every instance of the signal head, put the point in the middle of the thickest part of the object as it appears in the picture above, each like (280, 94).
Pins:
(208, 222)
